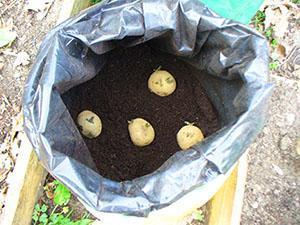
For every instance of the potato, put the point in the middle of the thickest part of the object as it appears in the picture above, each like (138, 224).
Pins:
(188, 136)
(89, 123)
(162, 83)
(141, 132)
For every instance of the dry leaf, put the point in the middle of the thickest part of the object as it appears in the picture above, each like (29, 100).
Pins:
(49, 190)
(281, 50)
(49, 194)
(40, 6)
(282, 25)
(7, 35)
(270, 17)
(22, 59)
(275, 3)
(37, 5)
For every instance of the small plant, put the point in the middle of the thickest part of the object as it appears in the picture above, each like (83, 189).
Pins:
(274, 43)
(95, 1)
(258, 19)
(60, 214)
(269, 33)
(296, 1)
(198, 216)
(62, 195)
(40, 214)
(274, 65)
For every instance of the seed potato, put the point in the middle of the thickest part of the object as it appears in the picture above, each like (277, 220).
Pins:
(162, 83)
(89, 123)
(141, 132)
(188, 136)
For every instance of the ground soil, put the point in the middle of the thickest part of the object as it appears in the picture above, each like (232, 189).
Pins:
(119, 93)
(30, 33)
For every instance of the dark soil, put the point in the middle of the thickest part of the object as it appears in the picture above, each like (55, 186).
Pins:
(119, 93)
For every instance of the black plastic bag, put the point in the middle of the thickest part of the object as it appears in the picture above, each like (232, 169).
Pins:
(73, 52)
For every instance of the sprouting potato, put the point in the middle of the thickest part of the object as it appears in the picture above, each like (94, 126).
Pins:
(162, 83)
(141, 132)
(89, 123)
(188, 136)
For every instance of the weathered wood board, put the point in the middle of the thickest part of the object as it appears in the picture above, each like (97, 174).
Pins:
(225, 207)
(28, 178)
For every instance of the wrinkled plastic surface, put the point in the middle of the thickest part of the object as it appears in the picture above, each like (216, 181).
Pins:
(72, 53)
(239, 10)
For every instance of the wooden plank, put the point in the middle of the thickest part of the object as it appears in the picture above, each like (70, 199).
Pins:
(225, 207)
(28, 173)
(28, 177)
(72, 7)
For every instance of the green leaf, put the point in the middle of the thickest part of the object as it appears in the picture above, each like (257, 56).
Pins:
(6, 36)
(44, 218)
(269, 33)
(65, 221)
(35, 217)
(58, 219)
(274, 65)
(37, 208)
(62, 195)
(56, 182)
(95, 1)
(199, 216)
(258, 19)
(274, 43)
(83, 222)
(44, 208)
(53, 219)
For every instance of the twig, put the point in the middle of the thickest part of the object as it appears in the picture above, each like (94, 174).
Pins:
(7, 7)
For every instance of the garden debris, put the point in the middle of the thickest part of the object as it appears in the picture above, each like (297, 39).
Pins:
(8, 154)
(291, 65)
(7, 34)
(5, 99)
(280, 50)
(7, 6)
(59, 204)
(6, 166)
(40, 6)
(277, 169)
(1, 66)
(26, 30)
(278, 18)
(49, 190)
(8, 52)
(22, 59)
